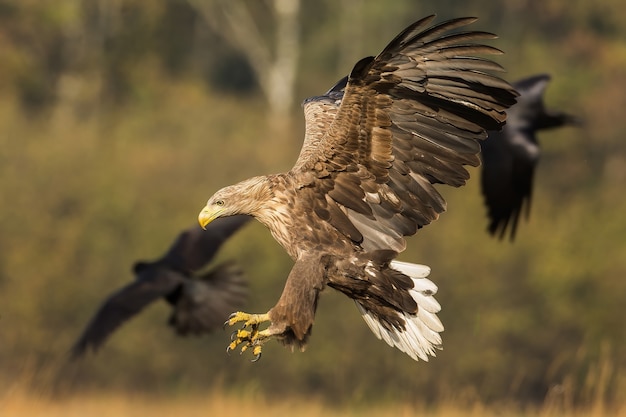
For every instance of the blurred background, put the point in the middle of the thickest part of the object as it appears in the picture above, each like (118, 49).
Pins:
(119, 118)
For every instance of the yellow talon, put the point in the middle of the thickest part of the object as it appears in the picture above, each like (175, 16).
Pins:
(249, 335)
(256, 351)
(247, 319)
(244, 334)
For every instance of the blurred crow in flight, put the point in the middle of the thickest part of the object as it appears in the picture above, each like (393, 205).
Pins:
(200, 303)
(509, 156)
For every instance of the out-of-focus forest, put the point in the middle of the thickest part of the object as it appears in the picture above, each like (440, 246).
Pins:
(118, 119)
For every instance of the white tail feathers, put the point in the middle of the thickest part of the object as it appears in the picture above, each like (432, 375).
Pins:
(420, 337)
(413, 270)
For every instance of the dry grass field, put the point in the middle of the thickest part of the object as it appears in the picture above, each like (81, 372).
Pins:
(18, 403)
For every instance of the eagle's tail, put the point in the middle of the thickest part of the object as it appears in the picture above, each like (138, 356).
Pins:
(415, 333)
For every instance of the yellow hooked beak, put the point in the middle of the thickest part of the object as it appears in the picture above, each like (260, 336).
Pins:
(207, 215)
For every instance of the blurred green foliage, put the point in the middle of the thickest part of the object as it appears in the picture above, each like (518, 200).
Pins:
(118, 119)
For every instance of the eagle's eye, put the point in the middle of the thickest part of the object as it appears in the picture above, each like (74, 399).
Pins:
(219, 203)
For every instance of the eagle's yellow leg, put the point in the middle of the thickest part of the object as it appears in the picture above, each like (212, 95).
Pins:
(252, 338)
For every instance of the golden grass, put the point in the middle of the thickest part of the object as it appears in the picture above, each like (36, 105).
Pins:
(18, 402)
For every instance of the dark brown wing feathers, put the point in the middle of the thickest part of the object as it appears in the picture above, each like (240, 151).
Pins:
(411, 117)
(347, 191)
(341, 221)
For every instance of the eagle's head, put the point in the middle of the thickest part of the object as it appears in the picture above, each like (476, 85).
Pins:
(246, 197)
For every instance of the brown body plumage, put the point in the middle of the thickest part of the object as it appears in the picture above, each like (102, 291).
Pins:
(374, 146)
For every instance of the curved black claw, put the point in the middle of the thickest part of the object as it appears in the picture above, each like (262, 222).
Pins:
(233, 335)
(228, 349)
(256, 358)
(227, 322)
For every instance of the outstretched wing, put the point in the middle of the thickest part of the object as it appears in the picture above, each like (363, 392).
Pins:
(205, 303)
(152, 284)
(195, 247)
(319, 113)
(530, 101)
(410, 117)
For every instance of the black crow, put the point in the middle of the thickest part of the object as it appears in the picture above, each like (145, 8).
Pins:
(509, 156)
(200, 302)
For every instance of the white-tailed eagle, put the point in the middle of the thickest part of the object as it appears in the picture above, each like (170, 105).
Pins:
(406, 119)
